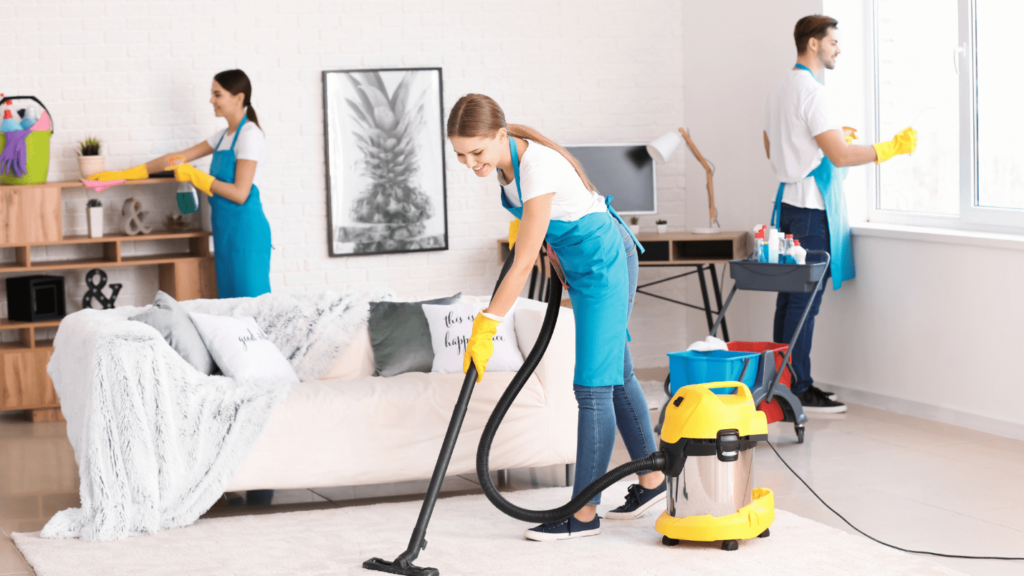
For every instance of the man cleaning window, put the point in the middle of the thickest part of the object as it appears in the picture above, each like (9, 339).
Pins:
(811, 153)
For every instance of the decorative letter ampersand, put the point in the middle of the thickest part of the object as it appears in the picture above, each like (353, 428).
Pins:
(133, 216)
(96, 290)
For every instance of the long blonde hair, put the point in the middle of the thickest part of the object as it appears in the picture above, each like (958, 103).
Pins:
(478, 115)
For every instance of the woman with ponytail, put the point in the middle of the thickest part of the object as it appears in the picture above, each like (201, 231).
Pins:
(553, 201)
(241, 233)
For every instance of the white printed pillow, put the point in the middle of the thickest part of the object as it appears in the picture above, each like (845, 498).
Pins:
(241, 349)
(450, 328)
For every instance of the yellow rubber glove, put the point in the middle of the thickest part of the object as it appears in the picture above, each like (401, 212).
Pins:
(137, 173)
(480, 345)
(850, 134)
(189, 173)
(903, 143)
(513, 233)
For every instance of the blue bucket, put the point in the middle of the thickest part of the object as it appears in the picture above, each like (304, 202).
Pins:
(687, 368)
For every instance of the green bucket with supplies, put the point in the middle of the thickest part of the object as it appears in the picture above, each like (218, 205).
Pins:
(25, 154)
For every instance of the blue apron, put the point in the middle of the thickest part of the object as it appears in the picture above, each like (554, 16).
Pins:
(241, 233)
(594, 261)
(830, 182)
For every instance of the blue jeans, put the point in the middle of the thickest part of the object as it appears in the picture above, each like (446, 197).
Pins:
(810, 227)
(602, 408)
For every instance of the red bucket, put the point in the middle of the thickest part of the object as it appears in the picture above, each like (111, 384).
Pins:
(772, 410)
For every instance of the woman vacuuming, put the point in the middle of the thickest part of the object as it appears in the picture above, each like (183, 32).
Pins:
(241, 233)
(547, 191)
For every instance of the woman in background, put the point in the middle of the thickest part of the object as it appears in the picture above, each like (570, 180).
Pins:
(241, 233)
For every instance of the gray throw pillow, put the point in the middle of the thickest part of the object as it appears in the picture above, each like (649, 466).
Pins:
(400, 336)
(175, 324)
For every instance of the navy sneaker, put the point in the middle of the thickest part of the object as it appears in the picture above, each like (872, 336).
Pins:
(564, 529)
(638, 501)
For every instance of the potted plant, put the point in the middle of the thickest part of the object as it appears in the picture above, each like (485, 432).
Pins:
(662, 226)
(89, 160)
(634, 225)
(95, 210)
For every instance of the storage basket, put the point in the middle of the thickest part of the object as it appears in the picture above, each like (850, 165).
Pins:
(37, 150)
(776, 277)
(691, 367)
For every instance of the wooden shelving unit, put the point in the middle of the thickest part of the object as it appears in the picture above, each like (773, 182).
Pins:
(30, 216)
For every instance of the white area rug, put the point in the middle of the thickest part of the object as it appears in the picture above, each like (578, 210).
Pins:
(467, 536)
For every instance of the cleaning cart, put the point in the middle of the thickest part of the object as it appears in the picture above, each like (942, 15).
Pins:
(765, 277)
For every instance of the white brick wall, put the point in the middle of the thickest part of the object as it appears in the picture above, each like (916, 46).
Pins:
(137, 75)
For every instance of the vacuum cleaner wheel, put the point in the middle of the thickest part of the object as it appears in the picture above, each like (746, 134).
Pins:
(730, 545)
(669, 541)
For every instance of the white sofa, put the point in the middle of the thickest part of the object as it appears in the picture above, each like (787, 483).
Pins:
(352, 428)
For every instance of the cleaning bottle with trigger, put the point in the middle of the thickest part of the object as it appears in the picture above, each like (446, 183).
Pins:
(758, 246)
(187, 196)
(798, 253)
(9, 124)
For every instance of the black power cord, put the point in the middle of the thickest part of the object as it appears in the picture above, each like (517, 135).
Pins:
(865, 534)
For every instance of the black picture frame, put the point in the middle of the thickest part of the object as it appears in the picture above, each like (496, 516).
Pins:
(370, 210)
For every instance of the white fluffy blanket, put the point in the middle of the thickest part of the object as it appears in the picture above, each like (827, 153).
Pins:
(156, 441)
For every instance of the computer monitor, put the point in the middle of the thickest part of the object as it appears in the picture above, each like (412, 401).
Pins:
(625, 171)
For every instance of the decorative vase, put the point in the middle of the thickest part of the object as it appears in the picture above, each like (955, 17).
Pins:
(89, 165)
(95, 221)
(634, 228)
(662, 228)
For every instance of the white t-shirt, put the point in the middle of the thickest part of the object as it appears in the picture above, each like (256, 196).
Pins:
(797, 109)
(544, 170)
(250, 146)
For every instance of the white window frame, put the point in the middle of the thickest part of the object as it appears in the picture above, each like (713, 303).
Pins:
(972, 217)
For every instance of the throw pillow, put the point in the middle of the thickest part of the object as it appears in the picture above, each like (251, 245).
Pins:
(400, 336)
(450, 329)
(172, 321)
(241, 349)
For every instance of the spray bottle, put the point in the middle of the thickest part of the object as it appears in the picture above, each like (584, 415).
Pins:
(787, 245)
(758, 245)
(798, 253)
(9, 124)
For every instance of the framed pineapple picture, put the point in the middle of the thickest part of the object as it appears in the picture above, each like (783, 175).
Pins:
(384, 146)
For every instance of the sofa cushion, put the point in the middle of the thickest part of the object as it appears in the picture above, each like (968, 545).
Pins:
(241, 349)
(173, 322)
(353, 361)
(400, 336)
(450, 328)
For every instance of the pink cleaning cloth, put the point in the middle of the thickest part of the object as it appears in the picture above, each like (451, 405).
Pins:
(43, 123)
(101, 185)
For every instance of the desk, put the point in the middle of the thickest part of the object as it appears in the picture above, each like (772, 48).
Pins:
(675, 249)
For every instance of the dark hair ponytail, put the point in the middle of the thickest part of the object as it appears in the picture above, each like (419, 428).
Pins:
(236, 82)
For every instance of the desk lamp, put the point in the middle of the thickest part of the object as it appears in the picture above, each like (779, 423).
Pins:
(662, 148)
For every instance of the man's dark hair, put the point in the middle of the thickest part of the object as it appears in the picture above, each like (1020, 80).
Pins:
(814, 26)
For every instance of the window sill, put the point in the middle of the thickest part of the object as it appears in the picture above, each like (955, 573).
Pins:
(939, 235)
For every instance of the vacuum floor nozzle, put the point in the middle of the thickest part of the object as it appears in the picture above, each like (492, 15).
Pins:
(381, 565)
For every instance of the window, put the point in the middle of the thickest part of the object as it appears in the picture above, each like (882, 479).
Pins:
(947, 68)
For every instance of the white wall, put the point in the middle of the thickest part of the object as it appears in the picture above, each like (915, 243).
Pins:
(137, 75)
(735, 51)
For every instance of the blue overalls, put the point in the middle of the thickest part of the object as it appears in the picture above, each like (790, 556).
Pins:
(241, 233)
(833, 235)
(593, 255)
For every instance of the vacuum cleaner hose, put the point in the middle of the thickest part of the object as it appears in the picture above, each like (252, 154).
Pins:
(655, 461)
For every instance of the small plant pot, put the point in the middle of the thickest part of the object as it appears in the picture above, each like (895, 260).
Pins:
(634, 228)
(662, 228)
(95, 221)
(89, 165)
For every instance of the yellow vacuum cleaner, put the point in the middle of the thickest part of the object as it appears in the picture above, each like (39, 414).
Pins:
(708, 441)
